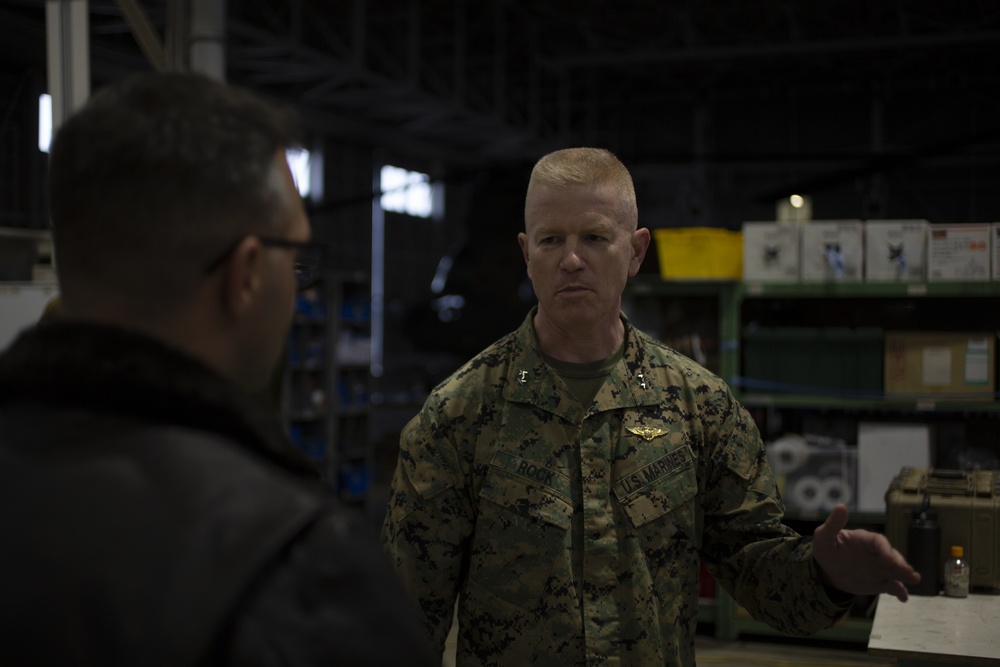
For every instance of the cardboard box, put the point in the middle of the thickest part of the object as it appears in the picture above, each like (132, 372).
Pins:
(882, 450)
(771, 252)
(958, 252)
(940, 365)
(687, 253)
(895, 250)
(995, 252)
(832, 251)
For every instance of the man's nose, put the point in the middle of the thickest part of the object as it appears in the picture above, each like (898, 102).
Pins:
(571, 258)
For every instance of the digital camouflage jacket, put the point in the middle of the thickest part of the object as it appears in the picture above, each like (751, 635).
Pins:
(571, 534)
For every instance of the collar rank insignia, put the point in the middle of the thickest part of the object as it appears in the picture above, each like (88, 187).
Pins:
(645, 432)
(522, 377)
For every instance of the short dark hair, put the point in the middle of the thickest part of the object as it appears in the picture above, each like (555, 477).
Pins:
(156, 174)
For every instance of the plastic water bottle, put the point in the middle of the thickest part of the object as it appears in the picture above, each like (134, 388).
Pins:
(956, 574)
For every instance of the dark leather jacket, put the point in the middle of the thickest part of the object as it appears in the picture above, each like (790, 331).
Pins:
(151, 515)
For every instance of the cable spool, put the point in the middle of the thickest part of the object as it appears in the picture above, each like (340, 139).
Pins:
(787, 454)
(835, 490)
(807, 493)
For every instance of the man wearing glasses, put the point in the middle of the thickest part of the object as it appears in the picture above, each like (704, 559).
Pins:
(153, 513)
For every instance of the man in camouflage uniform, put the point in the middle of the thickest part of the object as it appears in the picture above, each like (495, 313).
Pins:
(565, 483)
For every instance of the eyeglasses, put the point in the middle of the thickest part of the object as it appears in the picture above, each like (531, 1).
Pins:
(308, 260)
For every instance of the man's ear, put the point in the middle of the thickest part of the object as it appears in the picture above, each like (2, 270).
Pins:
(522, 240)
(640, 243)
(243, 276)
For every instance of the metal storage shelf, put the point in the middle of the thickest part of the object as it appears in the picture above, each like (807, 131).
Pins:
(729, 619)
(896, 404)
(328, 384)
(731, 294)
(805, 398)
(861, 290)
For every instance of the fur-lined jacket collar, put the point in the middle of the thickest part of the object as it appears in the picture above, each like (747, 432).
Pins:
(111, 370)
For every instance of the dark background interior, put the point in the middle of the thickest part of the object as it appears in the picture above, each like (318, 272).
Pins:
(874, 109)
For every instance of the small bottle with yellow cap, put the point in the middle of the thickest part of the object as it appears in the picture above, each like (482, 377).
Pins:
(956, 574)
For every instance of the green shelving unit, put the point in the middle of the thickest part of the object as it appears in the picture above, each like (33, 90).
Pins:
(868, 290)
(728, 298)
(891, 403)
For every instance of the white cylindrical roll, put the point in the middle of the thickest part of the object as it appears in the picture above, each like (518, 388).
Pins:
(787, 454)
(834, 490)
(807, 493)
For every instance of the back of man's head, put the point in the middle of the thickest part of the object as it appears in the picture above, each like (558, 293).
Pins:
(154, 177)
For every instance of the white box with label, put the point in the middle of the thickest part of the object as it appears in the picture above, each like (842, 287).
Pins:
(883, 449)
(895, 250)
(957, 252)
(995, 240)
(771, 252)
(832, 251)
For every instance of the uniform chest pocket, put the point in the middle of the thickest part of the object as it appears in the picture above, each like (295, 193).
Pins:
(521, 532)
(660, 487)
(661, 525)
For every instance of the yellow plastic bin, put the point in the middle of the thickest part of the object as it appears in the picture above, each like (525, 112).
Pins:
(699, 253)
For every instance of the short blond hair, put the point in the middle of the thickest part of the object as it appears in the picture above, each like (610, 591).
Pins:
(588, 166)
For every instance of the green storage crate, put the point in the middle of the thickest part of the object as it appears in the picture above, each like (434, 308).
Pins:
(817, 360)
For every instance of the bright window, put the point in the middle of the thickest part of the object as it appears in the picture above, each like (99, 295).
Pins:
(406, 192)
(301, 166)
(44, 122)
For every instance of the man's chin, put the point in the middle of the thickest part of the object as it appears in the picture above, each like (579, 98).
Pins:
(570, 315)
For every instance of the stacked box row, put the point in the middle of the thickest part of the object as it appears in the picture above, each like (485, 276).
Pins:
(870, 251)
(867, 361)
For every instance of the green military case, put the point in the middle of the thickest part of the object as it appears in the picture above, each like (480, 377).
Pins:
(968, 508)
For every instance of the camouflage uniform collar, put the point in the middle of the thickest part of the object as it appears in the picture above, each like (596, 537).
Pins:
(530, 380)
(633, 383)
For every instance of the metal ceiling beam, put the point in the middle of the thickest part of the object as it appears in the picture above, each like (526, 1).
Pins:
(361, 88)
(359, 33)
(177, 31)
(145, 35)
(207, 41)
(460, 52)
(790, 49)
(878, 162)
(413, 50)
(68, 53)
(500, 60)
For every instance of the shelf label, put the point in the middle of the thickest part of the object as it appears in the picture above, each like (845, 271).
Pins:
(977, 363)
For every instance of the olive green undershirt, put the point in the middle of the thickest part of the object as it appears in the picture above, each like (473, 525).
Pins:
(585, 380)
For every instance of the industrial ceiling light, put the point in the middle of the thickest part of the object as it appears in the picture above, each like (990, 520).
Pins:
(794, 208)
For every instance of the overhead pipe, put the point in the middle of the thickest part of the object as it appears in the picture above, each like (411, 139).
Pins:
(68, 45)
(207, 41)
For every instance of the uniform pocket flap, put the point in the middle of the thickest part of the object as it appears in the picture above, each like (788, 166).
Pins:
(529, 489)
(659, 487)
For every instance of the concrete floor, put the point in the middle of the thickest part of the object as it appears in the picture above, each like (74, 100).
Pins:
(758, 653)
(763, 653)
